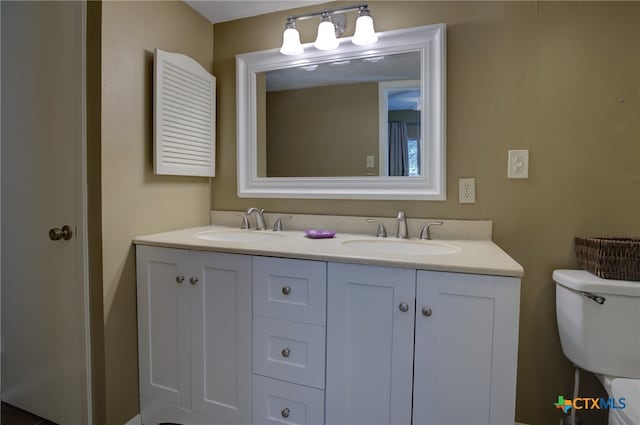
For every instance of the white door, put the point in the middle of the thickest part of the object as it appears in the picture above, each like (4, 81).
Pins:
(370, 318)
(44, 303)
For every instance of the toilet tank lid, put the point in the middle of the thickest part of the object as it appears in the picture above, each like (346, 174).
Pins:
(581, 280)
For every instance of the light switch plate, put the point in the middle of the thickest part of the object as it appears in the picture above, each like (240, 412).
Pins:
(467, 190)
(518, 164)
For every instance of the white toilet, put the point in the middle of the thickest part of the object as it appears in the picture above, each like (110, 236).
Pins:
(599, 326)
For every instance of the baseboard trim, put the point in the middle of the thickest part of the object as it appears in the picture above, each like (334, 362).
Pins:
(136, 420)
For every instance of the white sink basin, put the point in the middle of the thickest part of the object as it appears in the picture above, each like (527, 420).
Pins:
(239, 235)
(401, 247)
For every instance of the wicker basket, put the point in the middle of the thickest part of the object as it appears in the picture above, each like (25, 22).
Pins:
(610, 258)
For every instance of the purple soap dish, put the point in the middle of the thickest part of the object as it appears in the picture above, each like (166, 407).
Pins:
(319, 234)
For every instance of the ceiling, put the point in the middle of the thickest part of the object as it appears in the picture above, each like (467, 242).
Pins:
(394, 67)
(217, 11)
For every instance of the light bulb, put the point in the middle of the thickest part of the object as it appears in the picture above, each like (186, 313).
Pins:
(365, 33)
(291, 41)
(326, 39)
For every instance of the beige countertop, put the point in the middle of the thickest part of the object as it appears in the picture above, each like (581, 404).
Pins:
(473, 256)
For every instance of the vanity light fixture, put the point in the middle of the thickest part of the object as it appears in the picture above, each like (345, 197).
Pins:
(291, 39)
(326, 39)
(364, 34)
(332, 25)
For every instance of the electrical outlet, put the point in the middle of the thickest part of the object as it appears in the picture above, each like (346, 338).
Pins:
(370, 161)
(518, 164)
(467, 190)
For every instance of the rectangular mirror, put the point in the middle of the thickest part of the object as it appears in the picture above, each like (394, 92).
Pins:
(359, 122)
(353, 106)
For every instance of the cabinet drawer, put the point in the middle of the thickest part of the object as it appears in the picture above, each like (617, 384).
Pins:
(293, 290)
(289, 351)
(277, 402)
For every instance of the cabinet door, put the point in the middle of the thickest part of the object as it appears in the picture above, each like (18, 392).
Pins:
(466, 349)
(369, 344)
(221, 336)
(163, 325)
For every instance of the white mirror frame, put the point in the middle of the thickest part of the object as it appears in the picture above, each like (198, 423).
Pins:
(430, 185)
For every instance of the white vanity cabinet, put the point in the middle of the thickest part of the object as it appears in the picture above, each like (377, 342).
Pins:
(420, 347)
(241, 339)
(194, 333)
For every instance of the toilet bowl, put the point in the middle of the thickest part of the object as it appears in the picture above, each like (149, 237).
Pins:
(599, 327)
(623, 389)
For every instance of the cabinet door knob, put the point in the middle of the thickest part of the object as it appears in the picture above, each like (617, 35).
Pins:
(285, 352)
(179, 279)
(286, 290)
(404, 307)
(193, 280)
(285, 412)
(426, 311)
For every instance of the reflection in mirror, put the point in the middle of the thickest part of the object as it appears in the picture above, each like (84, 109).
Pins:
(356, 116)
(400, 104)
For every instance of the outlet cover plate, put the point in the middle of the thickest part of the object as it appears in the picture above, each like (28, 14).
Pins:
(370, 160)
(467, 190)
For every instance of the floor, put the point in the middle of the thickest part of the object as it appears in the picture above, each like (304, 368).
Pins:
(14, 416)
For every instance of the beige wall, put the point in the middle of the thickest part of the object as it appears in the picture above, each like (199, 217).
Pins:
(94, 208)
(134, 200)
(543, 76)
(303, 125)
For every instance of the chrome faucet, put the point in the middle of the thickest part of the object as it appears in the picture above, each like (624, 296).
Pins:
(260, 224)
(402, 226)
(381, 232)
(426, 230)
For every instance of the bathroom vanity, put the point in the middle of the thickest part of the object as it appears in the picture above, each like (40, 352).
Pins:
(240, 326)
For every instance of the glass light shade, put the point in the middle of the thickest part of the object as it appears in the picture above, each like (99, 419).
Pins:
(291, 42)
(326, 39)
(364, 34)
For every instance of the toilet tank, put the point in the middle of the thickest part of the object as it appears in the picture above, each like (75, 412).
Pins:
(602, 338)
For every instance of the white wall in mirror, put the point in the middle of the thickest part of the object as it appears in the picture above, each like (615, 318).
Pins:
(400, 110)
(430, 182)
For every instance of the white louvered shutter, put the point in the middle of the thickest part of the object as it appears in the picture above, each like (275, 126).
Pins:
(184, 116)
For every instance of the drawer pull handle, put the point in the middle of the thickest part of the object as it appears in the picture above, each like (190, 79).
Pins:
(285, 412)
(404, 307)
(286, 290)
(285, 352)
(193, 280)
(426, 311)
(179, 279)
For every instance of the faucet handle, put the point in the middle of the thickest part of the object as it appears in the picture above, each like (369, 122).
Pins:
(381, 232)
(245, 221)
(426, 230)
(277, 226)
